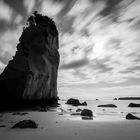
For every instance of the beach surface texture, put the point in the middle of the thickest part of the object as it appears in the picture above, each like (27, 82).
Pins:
(65, 123)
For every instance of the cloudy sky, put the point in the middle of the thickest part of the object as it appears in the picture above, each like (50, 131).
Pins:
(99, 43)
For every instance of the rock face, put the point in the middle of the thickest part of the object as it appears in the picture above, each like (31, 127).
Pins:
(32, 74)
(75, 102)
(108, 105)
(133, 105)
(129, 116)
(26, 124)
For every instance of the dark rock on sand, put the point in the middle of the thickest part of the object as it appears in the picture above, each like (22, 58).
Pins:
(133, 105)
(30, 78)
(26, 124)
(86, 112)
(75, 102)
(129, 116)
(108, 105)
(77, 113)
(78, 110)
(72, 101)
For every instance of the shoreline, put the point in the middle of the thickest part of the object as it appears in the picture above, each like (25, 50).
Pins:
(56, 123)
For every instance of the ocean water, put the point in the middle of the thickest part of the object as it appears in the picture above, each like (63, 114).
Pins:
(102, 113)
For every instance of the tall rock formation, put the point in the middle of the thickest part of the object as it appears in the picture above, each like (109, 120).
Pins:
(31, 77)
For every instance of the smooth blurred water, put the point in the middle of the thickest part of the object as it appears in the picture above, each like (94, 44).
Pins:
(105, 113)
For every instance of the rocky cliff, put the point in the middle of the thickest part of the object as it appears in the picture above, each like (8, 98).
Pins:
(31, 77)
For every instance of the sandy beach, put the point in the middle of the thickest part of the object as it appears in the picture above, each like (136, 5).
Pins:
(59, 124)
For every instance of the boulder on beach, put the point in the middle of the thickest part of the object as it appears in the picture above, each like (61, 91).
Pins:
(87, 112)
(108, 105)
(72, 101)
(133, 105)
(31, 76)
(26, 124)
(75, 102)
(129, 116)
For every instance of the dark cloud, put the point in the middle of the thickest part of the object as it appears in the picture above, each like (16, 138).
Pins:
(17, 5)
(65, 25)
(112, 3)
(3, 26)
(100, 66)
(79, 74)
(137, 59)
(103, 60)
(136, 25)
(111, 9)
(135, 68)
(131, 70)
(68, 5)
(75, 64)
(5, 58)
(113, 43)
(128, 20)
(58, 0)
(84, 32)
(74, 49)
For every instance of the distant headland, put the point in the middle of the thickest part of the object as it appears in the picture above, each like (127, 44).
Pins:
(127, 98)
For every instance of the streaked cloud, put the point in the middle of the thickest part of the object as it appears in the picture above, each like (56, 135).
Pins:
(8, 43)
(5, 12)
(114, 45)
(29, 4)
(18, 19)
(75, 64)
(99, 44)
(50, 8)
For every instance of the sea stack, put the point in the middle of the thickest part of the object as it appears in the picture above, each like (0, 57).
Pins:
(31, 76)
